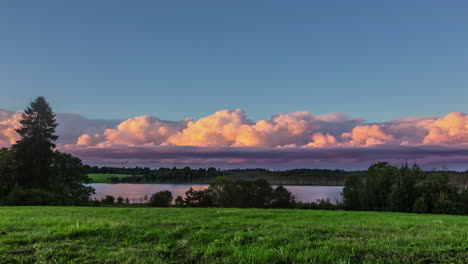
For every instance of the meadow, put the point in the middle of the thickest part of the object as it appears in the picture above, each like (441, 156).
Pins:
(104, 178)
(217, 235)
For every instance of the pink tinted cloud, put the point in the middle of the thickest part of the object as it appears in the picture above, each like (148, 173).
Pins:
(9, 121)
(232, 128)
(139, 130)
(282, 134)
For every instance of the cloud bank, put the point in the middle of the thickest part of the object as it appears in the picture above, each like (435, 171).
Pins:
(229, 137)
(231, 128)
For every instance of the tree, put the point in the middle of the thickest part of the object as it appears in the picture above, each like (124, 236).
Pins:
(352, 192)
(282, 198)
(67, 175)
(377, 186)
(438, 194)
(161, 199)
(179, 201)
(404, 189)
(200, 198)
(402, 197)
(225, 192)
(34, 151)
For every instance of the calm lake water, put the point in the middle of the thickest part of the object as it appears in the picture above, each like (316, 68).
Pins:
(135, 192)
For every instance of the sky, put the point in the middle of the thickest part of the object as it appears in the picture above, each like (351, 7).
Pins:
(273, 79)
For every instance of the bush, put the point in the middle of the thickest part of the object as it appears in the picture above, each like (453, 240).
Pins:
(120, 200)
(160, 199)
(19, 196)
(108, 200)
(114, 179)
(200, 198)
(420, 206)
(179, 201)
(224, 192)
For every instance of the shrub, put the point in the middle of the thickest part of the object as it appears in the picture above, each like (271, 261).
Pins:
(108, 200)
(120, 200)
(160, 199)
(114, 179)
(200, 198)
(420, 206)
(19, 196)
(179, 201)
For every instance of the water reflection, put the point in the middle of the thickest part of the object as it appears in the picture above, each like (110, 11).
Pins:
(136, 192)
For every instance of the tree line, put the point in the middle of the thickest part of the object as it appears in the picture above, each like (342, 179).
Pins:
(404, 189)
(189, 175)
(223, 192)
(202, 175)
(382, 187)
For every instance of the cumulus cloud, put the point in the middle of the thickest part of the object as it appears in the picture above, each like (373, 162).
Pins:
(9, 121)
(231, 129)
(71, 127)
(320, 140)
(451, 129)
(134, 131)
(367, 135)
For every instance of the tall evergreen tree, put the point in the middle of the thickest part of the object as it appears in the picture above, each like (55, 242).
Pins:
(35, 149)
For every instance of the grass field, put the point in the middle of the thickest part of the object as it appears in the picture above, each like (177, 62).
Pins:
(193, 235)
(104, 178)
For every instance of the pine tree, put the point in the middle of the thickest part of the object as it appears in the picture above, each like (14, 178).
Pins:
(34, 151)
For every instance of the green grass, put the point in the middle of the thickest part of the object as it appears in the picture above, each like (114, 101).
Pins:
(104, 178)
(213, 235)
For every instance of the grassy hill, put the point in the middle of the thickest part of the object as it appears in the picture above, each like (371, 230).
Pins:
(213, 235)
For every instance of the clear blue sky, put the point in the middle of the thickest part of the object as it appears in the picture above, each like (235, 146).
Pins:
(175, 59)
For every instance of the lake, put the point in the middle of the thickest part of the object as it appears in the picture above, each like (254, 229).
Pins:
(136, 192)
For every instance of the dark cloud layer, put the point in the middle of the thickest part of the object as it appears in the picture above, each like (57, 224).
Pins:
(347, 158)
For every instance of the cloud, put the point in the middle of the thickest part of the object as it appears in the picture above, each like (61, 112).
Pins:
(367, 135)
(233, 157)
(451, 129)
(282, 134)
(71, 127)
(231, 128)
(9, 121)
(227, 128)
(134, 131)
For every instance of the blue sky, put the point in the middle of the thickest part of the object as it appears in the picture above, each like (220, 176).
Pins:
(176, 59)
